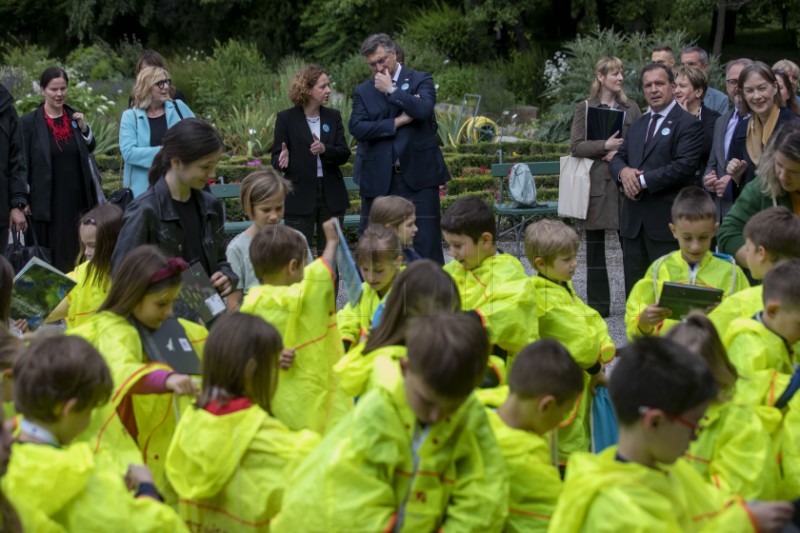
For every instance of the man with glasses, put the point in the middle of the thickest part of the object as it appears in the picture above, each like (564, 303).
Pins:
(715, 177)
(398, 153)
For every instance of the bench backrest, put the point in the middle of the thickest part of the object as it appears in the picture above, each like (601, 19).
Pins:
(231, 190)
(540, 168)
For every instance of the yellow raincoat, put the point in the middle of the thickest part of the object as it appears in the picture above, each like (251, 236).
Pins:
(603, 494)
(69, 489)
(743, 304)
(534, 482)
(498, 291)
(119, 344)
(735, 453)
(355, 322)
(581, 329)
(712, 271)
(753, 349)
(308, 395)
(356, 371)
(230, 470)
(790, 451)
(85, 298)
(364, 476)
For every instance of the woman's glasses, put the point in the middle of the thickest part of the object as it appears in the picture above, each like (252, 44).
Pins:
(161, 84)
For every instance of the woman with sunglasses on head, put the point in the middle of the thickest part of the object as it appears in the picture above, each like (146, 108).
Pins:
(144, 125)
(57, 142)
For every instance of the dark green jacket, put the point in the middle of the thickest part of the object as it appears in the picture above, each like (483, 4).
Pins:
(751, 200)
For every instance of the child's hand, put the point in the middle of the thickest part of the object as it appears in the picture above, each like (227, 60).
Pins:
(771, 516)
(136, 475)
(598, 380)
(283, 158)
(330, 231)
(181, 384)
(652, 316)
(21, 324)
(222, 283)
(287, 359)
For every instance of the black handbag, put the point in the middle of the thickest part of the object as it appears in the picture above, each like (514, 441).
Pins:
(19, 254)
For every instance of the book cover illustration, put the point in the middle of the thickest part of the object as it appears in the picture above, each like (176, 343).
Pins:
(198, 300)
(347, 268)
(38, 289)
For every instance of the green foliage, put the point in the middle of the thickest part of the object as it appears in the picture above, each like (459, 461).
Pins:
(235, 75)
(424, 58)
(453, 82)
(524, 74)
(347, 75)
(249, 130)
(448, 30)
(96, 62)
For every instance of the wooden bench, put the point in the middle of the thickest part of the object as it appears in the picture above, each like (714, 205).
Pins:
(519, 217)
(228, 191)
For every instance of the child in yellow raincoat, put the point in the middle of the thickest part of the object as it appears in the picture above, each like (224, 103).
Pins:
(399, 215)
(230, 459)
(99, 229)
(10, 347)
(380, 260)
(551, 247)
(56, 484)
(660, 393)
(544, 382)
(415, 456)
(735, 451)
(422, 289)
(770, 236)
(141, 416)
(299, 301)
(694, 223)
(492, 284)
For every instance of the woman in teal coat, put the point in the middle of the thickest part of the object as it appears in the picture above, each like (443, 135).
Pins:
(144, 125)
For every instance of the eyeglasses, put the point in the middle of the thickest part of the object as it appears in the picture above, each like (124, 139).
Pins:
(733, 82)
(695, 427)
(380, 62)
(161, 84)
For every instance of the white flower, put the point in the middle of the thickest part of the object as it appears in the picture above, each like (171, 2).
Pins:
(252, 131)
(436, 86)
(446, 61)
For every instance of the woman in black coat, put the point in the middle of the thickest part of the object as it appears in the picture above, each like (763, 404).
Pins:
(57, 143)
(310, 146)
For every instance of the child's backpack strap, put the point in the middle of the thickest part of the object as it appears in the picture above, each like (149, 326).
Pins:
(730, 259)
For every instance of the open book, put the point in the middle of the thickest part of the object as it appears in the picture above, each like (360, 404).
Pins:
(682, 299)
(38, 288)
(198, 299)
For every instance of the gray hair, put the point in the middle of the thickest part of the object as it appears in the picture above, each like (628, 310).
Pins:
(374, 41)
(733, 62)
(693, 49)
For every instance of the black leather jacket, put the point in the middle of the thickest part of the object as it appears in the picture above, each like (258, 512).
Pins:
(152, 219)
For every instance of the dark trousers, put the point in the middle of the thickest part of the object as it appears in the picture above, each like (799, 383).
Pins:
(428, 241)
(306, 224)
(639, 253)
(597, 289)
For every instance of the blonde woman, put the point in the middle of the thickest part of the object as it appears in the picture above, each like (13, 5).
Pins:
(604, 199)
(144, 125)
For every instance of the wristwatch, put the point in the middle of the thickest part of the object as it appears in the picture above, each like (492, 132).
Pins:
(391, 90)
(19, 205)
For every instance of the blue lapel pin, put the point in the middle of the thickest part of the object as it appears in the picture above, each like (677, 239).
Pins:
(326, 128)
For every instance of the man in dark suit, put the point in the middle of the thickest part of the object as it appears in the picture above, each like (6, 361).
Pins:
(13, 170)
(657, 159)
(715, 177)
(398, 152)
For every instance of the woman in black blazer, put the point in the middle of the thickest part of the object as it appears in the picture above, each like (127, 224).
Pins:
(309, 146)
(57, 145)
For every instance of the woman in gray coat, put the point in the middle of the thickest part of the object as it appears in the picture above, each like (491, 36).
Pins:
(604, 197)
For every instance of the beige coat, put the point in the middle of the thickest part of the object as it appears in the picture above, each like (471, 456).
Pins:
(605, 201)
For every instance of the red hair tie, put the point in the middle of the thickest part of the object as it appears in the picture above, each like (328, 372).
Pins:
(174, 267)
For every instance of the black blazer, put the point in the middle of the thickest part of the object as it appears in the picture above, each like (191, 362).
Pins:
(669, 163)
(13, 169)
(36, 137)
(708, 118)
(291, 128)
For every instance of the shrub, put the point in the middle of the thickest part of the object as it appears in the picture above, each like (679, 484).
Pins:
(454, 81)
(249, 130)
(346, 76)
(524, 74)
(96, 62)
(447, 30)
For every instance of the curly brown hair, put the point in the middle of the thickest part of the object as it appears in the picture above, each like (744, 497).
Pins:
(304, 80)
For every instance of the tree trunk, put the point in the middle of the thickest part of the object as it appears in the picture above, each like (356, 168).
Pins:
(730, 27)
(719, 33)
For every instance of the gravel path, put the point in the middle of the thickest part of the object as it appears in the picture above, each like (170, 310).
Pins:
(616, 322)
